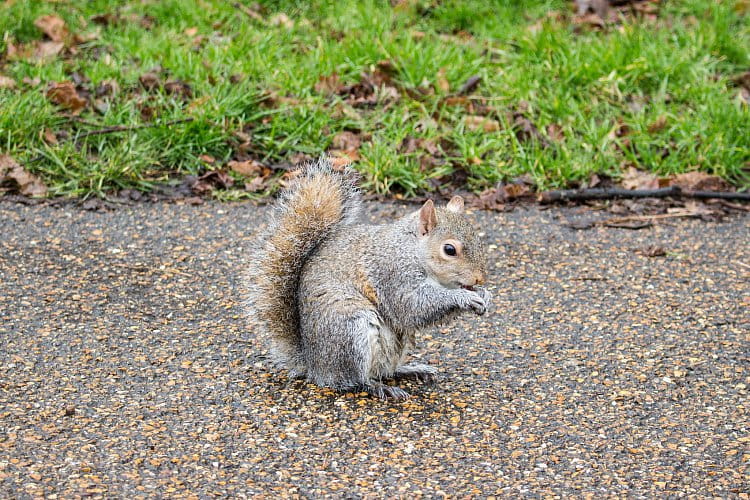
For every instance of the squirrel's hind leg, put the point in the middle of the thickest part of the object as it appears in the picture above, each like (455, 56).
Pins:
(351, 351)
(417, 371)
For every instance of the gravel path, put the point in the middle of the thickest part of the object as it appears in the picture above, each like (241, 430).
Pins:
(127, 369)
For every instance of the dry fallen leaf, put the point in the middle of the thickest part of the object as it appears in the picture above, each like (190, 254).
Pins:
(20, 180)
(475, 123)
(45, 51)
(328, 85)
(209, 181)
(249, 168)
(638, 179)
(49, 137)
(470, 85)
(53, 26)
(348, 155)
(207, 159)
(442, 82)
(699, 181)
(81, 38)
(555, 132)
(338, 163)
(490, 199)
(513, 191)
(150, 81)
(346, 140)
(658, 125)
(178, 88)
(64, 94)
(7, 83)
(257, 184)
(282, 20)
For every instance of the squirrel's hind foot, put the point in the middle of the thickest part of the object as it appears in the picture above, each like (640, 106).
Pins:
(386, 392)
(417, 371)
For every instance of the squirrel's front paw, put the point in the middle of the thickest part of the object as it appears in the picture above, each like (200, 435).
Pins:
(477, 302)
(486, 297)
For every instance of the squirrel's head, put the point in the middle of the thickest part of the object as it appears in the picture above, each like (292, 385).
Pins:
(453, 252)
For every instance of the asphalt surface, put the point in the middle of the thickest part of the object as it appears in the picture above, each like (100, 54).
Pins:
(127, 368)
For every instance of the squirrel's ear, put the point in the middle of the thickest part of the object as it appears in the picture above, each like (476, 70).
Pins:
(427, 218)
(456, 205)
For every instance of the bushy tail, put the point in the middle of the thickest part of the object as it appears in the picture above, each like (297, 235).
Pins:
(317, 202)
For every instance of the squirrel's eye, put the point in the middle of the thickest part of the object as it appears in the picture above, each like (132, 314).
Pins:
(449, 249)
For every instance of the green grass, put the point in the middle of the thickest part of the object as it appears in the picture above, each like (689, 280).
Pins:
(588, 83)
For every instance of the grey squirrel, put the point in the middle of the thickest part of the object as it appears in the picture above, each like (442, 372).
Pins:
(343, 301)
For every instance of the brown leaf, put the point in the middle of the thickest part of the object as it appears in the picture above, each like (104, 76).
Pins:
(178, 88)
(64, 94)
(80, 38)
(107, 88)
(105, 19)
(696, 208)
(7, 82)
(18, 179)
(513, 191)
(11, 50)
(339, 162)
(209, 181)
(555, 132)
(328, 85)
(256, 184)
(53, 26)
(49, 137)
(346, 140)
(526, 130)
(593, 181)
(348, 155)
(191, 31)
(470, 85)
(413, 144)
(31, 82)
(638, 179)
(442, 82)
(599, 7)
(44, 51)
(150, 81)
(699, 181)
(207, 159)
(658, 125)
(591, 20)
(282, 20)
(490, 199)
(475, 123)
(248, 168)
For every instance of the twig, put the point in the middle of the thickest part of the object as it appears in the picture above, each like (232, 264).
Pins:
(249, 12)
(612, 193)
(126, 128)
(624, 222)
(633, 218)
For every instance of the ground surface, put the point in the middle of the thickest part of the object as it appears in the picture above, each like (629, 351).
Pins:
(126, 367)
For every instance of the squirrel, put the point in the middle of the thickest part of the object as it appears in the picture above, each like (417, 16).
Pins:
(343, 301)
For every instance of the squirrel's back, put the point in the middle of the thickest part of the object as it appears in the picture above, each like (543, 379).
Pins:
(319, 201)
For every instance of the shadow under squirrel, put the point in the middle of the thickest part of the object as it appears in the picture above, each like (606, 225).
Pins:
(342, 301)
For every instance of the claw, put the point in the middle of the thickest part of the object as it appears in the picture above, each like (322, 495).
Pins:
(386, 392)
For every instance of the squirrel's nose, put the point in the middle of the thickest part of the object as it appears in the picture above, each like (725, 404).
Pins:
(479, 279)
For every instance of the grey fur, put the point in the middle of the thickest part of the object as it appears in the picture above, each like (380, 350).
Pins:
(362, 292)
